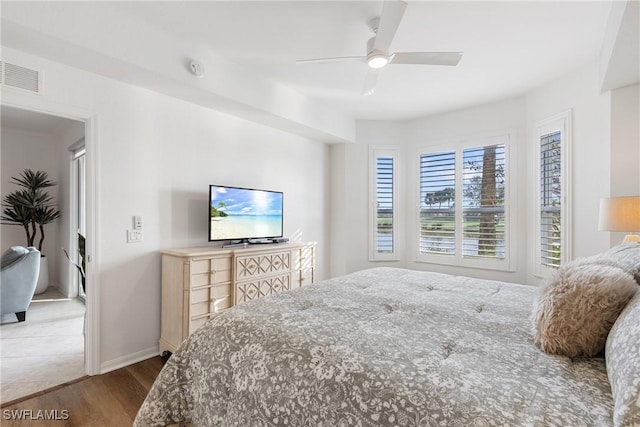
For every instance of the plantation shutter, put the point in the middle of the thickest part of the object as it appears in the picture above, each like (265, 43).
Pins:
(484, 202)
(437, 203)
(384, 204)
(550, 199)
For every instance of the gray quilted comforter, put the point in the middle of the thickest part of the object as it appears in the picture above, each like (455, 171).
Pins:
(381, 347)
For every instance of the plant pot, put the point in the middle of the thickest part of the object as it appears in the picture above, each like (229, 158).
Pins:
(43, 278)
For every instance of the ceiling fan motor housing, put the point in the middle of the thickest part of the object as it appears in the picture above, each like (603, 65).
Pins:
(375, 58)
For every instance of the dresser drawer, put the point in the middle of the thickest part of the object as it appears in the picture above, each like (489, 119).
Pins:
(246, 291)
(303, 258)
(210, 299)
(303, 277)
(210, 271)
(254, 266)
(201, 266)
(196, 322)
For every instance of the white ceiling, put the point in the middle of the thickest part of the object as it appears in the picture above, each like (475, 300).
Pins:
(34, 122)
(510, 47)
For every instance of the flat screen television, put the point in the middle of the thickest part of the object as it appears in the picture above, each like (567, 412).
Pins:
(244, 213)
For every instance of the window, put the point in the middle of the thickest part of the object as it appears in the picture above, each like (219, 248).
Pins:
(463, 215)
(437, 203)
(483, 220)
(550, 201)
(553, 184)
(383, 239)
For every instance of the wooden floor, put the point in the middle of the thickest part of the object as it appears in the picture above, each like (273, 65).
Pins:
(111, 399)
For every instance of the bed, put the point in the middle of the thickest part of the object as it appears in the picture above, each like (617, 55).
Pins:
(381, 347)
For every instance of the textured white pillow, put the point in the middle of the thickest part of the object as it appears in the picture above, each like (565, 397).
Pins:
(627, 256)
(622, 355)
(578, 306)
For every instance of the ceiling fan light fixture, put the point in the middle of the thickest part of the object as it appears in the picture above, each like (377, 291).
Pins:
(377, 60)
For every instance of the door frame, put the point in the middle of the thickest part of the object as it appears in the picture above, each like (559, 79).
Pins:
(91, 134)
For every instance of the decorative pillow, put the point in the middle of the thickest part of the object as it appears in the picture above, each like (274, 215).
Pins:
(622, 355)
(628, 257)
(578, 305)
(12, 254)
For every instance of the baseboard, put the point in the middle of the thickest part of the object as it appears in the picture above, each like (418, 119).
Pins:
(129, 359)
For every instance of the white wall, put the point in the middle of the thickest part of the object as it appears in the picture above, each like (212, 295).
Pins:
(350, 194)
(625, 141)
(625, 145)
(31, 150)
(156, 157)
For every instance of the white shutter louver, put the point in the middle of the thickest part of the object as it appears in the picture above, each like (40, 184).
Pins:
(550, 200)
(437, 203)
(384, 204)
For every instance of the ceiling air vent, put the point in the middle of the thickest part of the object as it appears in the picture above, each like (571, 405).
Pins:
(20, 77)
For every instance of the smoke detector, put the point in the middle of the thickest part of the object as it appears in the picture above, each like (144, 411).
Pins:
(196, 68)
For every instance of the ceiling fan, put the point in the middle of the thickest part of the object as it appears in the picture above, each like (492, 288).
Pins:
(378, 55)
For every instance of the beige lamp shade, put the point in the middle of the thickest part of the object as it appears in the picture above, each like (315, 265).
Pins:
(621, 214)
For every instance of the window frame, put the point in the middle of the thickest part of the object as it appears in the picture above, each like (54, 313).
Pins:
(374, 153)
(506, 138)
(559, 122)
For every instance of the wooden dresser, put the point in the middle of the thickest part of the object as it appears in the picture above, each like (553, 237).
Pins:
(199, 282)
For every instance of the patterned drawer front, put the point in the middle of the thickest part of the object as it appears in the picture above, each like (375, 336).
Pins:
(259, 288)
(248, 267)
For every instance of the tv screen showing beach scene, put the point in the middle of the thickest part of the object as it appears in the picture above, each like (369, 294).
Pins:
(244, 213)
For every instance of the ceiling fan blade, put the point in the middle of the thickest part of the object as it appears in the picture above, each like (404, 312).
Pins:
(370, 82)
(392, 13)
(336, 59)
(426, 58)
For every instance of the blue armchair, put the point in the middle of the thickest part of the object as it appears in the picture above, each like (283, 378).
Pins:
(19, 270)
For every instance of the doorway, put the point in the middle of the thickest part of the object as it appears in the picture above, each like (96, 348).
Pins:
(73, 194)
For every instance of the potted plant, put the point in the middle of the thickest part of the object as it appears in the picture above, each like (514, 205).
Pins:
(32, 207)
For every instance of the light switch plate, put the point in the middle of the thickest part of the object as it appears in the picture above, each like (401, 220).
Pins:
(134, 236)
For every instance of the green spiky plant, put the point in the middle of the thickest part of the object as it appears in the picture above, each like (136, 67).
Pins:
(32, 207)
(81, 267)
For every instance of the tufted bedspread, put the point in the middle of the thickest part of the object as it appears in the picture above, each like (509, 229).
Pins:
(380, 347)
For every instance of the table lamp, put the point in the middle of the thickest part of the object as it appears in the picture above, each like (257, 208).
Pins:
(621, 214)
